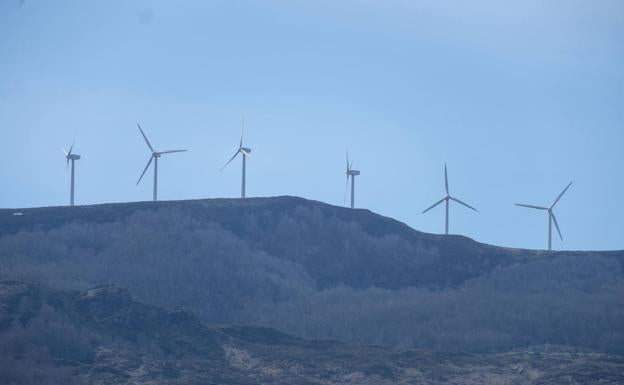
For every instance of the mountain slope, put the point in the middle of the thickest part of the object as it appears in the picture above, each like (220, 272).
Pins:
(334, 244)
(321, 271)
(102, 335)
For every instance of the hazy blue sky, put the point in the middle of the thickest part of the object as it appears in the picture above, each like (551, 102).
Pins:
(518, 97)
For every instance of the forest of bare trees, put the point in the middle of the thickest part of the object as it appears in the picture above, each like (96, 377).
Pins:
(318, 273)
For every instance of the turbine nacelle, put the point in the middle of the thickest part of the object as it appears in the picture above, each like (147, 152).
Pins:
(446, 199)
(350, 172)
(70, 157)
(154, 157)
(245, 152)
(551, 215)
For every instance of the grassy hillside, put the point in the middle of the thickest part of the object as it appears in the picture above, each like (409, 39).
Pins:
(322, 271)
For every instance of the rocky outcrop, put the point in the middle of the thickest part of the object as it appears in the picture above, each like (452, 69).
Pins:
(124, 341)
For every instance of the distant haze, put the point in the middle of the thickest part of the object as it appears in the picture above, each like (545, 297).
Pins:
(518, 97)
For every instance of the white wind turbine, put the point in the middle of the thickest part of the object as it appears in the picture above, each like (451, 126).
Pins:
(551, 215)
(154, 157)
(350, 173)
(245, 153)
(70, 156)
(446, 199)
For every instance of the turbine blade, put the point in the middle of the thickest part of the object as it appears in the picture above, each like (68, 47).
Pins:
(446, 180)
(65, 152)
(240, 145)
(171, 151)
(231, 159)
(463, 203)
(145, 137)
(532, 207)
(434, 205)
(556, 225)
(348, 166)
(146, 167)
(344, 201)
(71, 148)
(560, 195)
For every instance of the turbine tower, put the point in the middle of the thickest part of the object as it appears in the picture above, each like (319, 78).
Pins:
(245, 153)
(350, 173)
(551, 215)
(70, 156)
(154, 157)
(446, 200)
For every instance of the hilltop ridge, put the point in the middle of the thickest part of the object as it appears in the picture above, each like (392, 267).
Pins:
(232, 215)
(47, 217)
(321, 271)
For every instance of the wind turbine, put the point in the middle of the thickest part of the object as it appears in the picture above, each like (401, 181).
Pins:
(245, 153)
(350, 173)
(70, 156)
(551, 215)
(154, 157)
(446, 199)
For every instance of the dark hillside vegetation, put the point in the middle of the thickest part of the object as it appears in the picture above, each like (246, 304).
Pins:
(335, 245)
(321, 271)
(103, 336)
